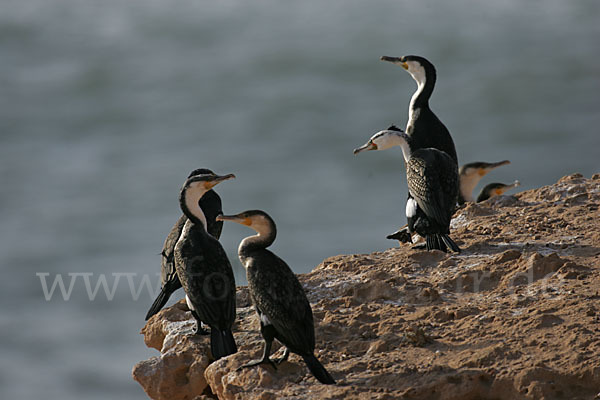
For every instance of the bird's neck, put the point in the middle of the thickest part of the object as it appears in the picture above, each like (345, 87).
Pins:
(401, 140)
(466, 188)
(260, 241)
(189, 202)
(420, 98)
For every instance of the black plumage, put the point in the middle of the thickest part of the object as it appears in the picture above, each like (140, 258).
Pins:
(424, 127)
(204, 269)
(432, 178)
(280, 301)
(211, 206)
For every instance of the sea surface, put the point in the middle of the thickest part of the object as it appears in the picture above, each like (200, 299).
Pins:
(106, 106)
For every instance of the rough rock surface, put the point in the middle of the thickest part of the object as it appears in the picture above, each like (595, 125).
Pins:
(516, 315)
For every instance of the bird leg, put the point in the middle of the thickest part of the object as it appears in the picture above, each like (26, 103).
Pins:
(265, 358)
(286, 355)
(199, 329)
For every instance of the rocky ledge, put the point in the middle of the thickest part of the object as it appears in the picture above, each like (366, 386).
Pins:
(516, 315)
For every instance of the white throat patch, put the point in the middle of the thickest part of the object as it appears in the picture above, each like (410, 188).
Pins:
(418, 74)
(261, 225)
(193, 194)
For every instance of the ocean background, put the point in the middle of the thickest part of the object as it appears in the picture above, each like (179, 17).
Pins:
(106, 106)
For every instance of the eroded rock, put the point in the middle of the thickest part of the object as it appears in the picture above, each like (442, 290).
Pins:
(513, 316)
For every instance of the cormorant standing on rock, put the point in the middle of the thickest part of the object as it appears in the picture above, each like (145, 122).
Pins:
(424, 127)
(204, 269)
(432, 177)
(469, 176)
(283, 309)
(211, 206)
(495, 189)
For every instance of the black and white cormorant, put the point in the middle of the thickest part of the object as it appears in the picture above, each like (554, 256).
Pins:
(283, 309)
(211, 206)
(204, 269)
(495, 189)
(469, 176)
(424, 127)
(432, 177)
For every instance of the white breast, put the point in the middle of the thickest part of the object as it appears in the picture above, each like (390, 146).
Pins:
(411, 208)
(189, 303)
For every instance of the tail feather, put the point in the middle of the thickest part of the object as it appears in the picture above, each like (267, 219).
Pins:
(441, 241)
(318, 370)
(222, 343)
(431, 242)
(450, 243)
(160, 302)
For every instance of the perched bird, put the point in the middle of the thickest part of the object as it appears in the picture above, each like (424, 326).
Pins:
(424, 127)
(211, 206)
(204, 269)
(469, 176)
(495, 189)
(283, 309)
(432, 177)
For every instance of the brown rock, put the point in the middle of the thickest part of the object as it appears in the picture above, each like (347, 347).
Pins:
(514, 316)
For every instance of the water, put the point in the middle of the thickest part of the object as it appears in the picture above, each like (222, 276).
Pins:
(105, 107)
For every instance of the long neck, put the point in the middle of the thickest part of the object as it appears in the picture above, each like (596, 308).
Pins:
(467, 184)
(425, 85)
(400, 139)
(188, 201)
(261, 240)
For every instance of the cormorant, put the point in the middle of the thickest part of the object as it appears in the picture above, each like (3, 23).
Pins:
(211, 206)
(283, 309)
(469, 176)
(432, 177)
(204, 269)
(423, 127)
(495, 189)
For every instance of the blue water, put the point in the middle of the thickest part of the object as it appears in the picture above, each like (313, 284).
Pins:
(105, 107)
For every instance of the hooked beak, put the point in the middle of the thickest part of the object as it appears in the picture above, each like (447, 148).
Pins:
(500, 163)
(218, 179)
(506, 188)
(367, 146)
(235, 218)
(491, 166)
(395, 60)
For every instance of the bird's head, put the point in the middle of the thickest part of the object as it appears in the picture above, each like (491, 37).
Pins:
(383, 140)
(205, 182)
(258, 220)
(479, 169)
(498, 189)
(201, 171)
(418, 67)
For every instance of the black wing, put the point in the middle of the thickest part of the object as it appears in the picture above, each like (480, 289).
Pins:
(212, 207)
(207, 278)
(168, 273)
(278, 294)
(432, 178)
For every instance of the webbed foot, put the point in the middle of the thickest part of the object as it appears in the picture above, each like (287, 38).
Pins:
(258, 362)
(286, 355)
(402, 235)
